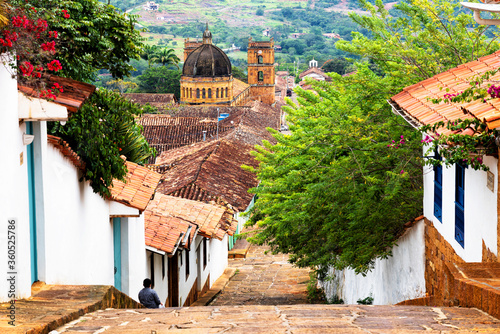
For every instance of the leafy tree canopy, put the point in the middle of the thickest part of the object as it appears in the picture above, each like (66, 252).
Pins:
(333, 192)
(101, 131)
(92, 36)
(430, 37)
(160, 80)
(338, 189)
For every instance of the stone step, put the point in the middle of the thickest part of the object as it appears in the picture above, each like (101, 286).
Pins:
(296, 319)
(239, 250)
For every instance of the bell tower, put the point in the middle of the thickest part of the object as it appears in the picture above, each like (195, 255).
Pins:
(261, 76)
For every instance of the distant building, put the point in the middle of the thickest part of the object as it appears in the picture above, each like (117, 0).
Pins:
(150, 5)
(207, 77)
(314, 73)
(332, 35)
(297, 35)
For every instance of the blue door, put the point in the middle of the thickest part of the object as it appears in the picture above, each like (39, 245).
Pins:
(117, 241)
(32, 205)
(438, 190)
(460, 204)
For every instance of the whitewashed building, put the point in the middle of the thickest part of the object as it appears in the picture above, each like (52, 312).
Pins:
(64, 232)
(187, 247)
(460, 223)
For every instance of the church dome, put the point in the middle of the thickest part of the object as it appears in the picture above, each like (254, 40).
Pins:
(207, 60)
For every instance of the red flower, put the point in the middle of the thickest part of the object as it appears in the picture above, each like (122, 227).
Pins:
(65, 13)
(54, 65)
(49, 46)
(26, 68)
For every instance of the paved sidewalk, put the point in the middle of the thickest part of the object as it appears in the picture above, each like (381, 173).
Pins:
(54, 305)
(264, 279)
(291, 319)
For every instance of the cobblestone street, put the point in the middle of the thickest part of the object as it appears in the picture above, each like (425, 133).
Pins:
(259, 299)
(264, 279)
(286, 319)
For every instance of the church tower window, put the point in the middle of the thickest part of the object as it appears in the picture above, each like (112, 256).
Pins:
(217, 93)
(260, 60)
(210, 93)
(197, 93)
(203, 95)
(261, 76)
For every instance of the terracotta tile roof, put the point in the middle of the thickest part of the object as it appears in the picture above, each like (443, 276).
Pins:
(239, 86)
(156, 100)
(315, 70)
(165, 233)
(413, 103)
(66, 150)
(74, 94)
(164, 132)
(211, 171)
(213, 221)
(138, 188)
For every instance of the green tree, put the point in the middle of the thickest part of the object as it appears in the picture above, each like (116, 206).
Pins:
(337, 191)
(260, 12)
(160, 80)
(92, 36)
(149, 53)
(337, 65)
(120, 85)
(102, 130)
(238, 73)
(429, 38)
(167, 57)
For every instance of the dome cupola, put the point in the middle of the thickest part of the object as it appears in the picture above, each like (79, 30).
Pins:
(207, 60)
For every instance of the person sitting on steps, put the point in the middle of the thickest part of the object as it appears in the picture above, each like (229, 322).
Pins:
(148, 297)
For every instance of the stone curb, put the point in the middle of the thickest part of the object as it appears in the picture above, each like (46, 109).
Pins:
(216, 289)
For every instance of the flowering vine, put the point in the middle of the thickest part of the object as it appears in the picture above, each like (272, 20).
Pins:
(28, 37)
(469, 140)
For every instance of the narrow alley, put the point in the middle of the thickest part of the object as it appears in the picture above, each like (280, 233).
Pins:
(268, 295)
(264, 279)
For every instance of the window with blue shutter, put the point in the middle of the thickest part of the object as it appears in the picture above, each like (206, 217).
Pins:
(459, 204)
(438, 189)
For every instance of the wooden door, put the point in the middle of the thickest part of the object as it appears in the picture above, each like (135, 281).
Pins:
(173, 282)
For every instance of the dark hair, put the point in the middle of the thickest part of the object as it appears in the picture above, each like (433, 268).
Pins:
(146, 283)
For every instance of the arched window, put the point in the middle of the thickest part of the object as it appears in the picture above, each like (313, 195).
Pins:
(203, 93)
(197, 93)
(260, 60)
(190, 93)
(210, 93)
(260, 76)
(226, 93)
(217, 93)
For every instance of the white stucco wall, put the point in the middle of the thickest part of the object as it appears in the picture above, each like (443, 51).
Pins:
(14, 202)
(392, 280)
(186, 283)
(133, 255)
(480, 209)
(314, 76)
(217, 257)
(201, 271)
(78, 234)
(160, 281)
